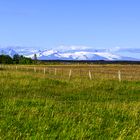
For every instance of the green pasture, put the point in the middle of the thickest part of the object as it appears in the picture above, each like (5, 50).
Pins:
(34, 106)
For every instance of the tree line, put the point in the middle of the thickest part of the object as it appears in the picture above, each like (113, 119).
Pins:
(17, 59)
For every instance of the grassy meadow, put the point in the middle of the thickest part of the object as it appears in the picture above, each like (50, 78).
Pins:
(51, 105)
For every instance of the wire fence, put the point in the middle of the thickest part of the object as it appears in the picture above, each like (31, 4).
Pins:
(120, 73)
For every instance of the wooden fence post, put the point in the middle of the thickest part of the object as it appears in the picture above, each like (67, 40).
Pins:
(119, 75)
(55, 71)
(44, 70)
(89, 73)
(34, 69)
(70, 73)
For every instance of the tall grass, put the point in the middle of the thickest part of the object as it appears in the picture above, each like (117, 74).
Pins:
(35, 107)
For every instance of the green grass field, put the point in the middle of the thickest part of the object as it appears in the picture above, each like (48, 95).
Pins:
(36, 107)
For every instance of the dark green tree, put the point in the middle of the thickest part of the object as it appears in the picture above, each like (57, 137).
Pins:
(5, 59)
(24, 60)
(16, 59)
(35, 58)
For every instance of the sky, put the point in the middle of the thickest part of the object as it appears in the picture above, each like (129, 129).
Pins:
(53, 23)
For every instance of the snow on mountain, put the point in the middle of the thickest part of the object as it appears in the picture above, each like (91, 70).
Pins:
(11, 51)
(108, 55)
(72, 53)
(81, 55)
(127, 53)
(8, 51)
(48, 55)
(45, 55)
(27, 51)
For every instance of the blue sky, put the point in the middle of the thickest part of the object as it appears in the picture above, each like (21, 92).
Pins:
(51, 23)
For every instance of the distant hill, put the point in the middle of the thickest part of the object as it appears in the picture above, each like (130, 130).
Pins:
(74, 54)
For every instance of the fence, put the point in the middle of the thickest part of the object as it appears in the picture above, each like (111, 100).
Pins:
(119, 73)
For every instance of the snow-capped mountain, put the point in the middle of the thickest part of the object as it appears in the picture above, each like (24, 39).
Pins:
(8, 51)
(73, 53)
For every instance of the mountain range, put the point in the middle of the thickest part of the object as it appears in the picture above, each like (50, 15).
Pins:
(75, 53)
